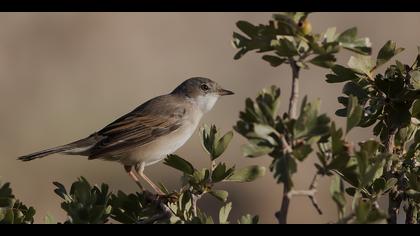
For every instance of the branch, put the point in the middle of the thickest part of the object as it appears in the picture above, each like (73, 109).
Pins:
(295, 89)
(294, 96)
(281, 215)
(165, 213)
(394, 200)
(309, 193)
(194, 199)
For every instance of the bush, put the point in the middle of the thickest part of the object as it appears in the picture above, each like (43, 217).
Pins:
(387, 101)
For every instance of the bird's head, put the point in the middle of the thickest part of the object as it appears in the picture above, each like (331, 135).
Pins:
(202, 91)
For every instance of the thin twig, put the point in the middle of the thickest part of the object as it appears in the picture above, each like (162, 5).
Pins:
(286, 146)
(309, 193)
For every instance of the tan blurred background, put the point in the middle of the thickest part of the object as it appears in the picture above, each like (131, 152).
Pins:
(66, 75)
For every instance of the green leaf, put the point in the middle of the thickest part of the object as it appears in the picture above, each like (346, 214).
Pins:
(388, 51)
(254, 150)
(221, 195)
(362, 211)
(324, 60)
(61, 191)
(367, 213)
(348, 40)
(390, 183)
(248, 219)
(361, 64)
(284, 166)
(348, 36)
(286, 48)
(330, 35)
(379, 185)
(415, 109)
(49, 219)
(179, 163)
(285, 24)
(337, 194)
(247, 174)
(264, 132)
(415, 79)
(211, 142)
(273, 60)
(224, 213)
(341, 74)
(222, 144)
(351, 88)
(246, 27)
(302, 151)
(307, 118)
(219, 173)
(354, 113)
(205, 219)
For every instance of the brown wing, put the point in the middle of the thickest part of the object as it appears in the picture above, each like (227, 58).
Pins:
(157, 117)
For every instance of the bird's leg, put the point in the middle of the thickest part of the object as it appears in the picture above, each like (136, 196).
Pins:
(140, 170)
(131, 173)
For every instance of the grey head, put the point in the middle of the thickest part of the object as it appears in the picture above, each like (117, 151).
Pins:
(202, 91)
(199, 86)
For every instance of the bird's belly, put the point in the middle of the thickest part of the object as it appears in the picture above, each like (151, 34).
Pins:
(158, 150)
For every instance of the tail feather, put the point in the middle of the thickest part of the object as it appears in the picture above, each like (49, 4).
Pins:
(44, 153)
(80, 147)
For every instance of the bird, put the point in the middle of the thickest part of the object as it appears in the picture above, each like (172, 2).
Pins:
(150, 132)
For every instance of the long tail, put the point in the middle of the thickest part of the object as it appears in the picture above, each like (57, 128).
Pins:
(80, 147)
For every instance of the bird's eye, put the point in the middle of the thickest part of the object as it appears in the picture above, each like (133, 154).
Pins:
(204, 87)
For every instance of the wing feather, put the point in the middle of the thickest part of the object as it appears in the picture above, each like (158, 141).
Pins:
(153, 119)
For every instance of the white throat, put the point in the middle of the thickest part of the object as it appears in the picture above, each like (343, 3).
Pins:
(206, 103)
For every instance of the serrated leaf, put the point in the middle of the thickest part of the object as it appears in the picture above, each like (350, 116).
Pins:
(388, 51)
(248, 219)
(219, 173)
(302, 151)
(286, 48)
(273, 60)
(330, 35)
(348, 35)
(361, 64)
(49, 219)
(354, 113)
(179, 163)
(222, 144)
(324, 60)
(221, 195)
(337, 194)
(341, 74)
(379, 185)
(362, 211)
(390, 184)
(254, 150)
(247, 174)
(246, 27)
(415, 79)
(415, 109)
(224, 213)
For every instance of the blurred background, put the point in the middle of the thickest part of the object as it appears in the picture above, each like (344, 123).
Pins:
(66, 75)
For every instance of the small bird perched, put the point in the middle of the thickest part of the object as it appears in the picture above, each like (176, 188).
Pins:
(150, 132)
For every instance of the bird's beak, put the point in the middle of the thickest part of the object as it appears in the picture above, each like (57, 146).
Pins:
(223, 92)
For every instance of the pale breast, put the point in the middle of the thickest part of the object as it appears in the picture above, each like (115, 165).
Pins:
(158, 149)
